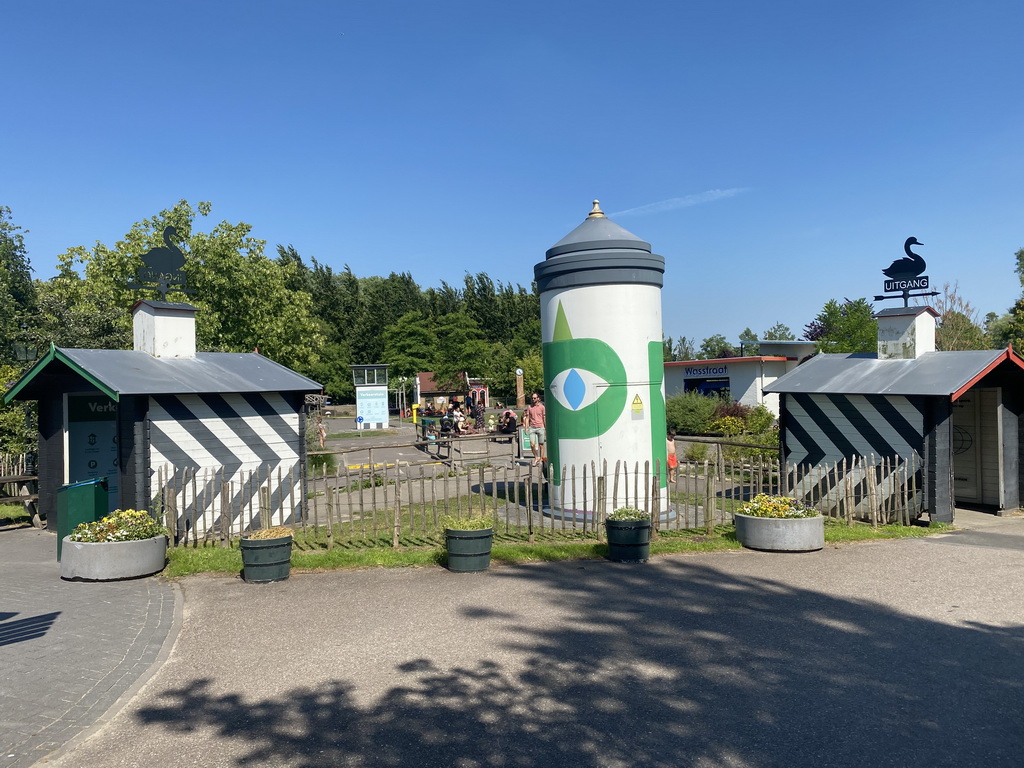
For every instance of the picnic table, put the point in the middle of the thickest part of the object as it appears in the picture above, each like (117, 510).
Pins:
(22, 489)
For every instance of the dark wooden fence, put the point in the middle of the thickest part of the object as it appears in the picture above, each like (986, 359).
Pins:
(402, 503)
(376, 502)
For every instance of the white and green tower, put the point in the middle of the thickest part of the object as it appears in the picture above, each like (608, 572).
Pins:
(600, 315)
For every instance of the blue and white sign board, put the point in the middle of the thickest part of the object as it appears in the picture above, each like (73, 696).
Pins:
(372, 407)
(92, 442)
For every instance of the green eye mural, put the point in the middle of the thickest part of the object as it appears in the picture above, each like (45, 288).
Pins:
(580, 374)
(582, 403)
(579, 377)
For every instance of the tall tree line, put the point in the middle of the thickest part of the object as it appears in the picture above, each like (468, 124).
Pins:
(297, 311)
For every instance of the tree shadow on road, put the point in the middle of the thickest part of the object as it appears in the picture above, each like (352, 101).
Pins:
(676, 665)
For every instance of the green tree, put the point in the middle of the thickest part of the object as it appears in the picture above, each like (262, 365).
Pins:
(714, 347)
(748, 342)
(778, 332)
(17, 292)
(690, 413)
(1008, 330)
(381, 301)
(461, 349)
(533, 371)
(997, 329)
(685, 349)
(409, 345)
(957, 327)
(847, 327)
(1012, 331)
(244, 297)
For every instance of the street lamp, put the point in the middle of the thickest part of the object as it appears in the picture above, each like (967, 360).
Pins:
(25, 349)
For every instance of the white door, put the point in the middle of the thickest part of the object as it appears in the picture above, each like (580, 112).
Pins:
(966, 454)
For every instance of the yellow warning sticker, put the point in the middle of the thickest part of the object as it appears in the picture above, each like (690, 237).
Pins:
(638, 404)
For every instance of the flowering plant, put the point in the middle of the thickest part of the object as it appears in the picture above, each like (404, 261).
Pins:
(120, 525)
(457, 523)
(764, 505)
(628, 513)
(274, 532)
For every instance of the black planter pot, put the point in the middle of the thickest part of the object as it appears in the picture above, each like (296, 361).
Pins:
(468, 551)
(266, 560)
(629, 541)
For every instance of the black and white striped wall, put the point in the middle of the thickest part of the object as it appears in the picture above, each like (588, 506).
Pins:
(821, 428)
(826, 429)
(227, 438)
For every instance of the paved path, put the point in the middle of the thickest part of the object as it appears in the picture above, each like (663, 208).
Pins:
(907, 653)
(68, 650)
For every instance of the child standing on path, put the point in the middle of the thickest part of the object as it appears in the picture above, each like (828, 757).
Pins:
(673, 461)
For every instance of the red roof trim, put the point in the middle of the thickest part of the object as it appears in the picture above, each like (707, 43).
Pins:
(1008, 354)
(772, 359)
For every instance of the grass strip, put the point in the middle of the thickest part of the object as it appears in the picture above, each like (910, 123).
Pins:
(211, 558)
(14, 514)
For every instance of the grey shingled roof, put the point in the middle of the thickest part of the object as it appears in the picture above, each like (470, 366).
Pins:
(933, 373)
(126, 372)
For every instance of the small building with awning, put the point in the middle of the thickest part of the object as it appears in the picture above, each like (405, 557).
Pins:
(163, 414)
(959, 411)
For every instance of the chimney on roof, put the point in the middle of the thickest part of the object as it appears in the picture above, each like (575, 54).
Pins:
(164, 330)
(905, 333)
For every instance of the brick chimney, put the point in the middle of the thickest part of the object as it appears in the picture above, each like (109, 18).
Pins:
(905, 333)
(164, 330)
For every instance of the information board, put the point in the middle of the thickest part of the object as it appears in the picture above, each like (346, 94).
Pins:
(92, 442)
(372, 407)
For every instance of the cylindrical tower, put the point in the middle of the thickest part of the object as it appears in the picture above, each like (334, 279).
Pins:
(600, 315)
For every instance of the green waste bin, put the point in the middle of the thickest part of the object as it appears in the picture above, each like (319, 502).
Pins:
(84, 502)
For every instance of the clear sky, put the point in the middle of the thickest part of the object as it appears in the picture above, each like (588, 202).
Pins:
(777, 154)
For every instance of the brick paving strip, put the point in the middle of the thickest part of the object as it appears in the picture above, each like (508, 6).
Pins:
(69, 651)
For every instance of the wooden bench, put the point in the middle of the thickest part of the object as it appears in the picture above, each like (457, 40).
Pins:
(25, 491)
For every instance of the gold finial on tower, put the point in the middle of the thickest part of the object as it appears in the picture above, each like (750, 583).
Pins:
(596, 213)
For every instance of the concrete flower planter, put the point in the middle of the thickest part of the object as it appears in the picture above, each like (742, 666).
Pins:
(109, 560)
(781, 534)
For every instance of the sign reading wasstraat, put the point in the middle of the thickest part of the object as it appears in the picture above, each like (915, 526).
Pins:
(705, 370)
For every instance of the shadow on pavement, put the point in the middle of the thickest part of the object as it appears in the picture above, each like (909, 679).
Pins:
(696, 668)
(25, 629)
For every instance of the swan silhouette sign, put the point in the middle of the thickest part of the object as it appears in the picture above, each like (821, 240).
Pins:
(905, 275)
(162, 267)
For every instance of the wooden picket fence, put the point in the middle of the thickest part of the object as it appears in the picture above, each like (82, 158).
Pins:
(876, 490)
(401, 504)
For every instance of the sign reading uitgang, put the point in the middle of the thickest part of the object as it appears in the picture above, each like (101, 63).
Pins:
(913, 284)
(906, 275)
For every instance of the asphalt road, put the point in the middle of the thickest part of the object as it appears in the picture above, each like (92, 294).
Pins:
(907, 653)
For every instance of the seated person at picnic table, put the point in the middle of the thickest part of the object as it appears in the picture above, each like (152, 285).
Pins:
(462, 425)
(507, 424)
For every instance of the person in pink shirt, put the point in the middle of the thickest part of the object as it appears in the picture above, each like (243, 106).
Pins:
(533, 420)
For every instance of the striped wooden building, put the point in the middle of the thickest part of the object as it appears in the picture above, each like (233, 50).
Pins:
(959, 411)
(161, 413)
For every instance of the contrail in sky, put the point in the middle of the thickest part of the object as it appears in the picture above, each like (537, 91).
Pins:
(681, 202)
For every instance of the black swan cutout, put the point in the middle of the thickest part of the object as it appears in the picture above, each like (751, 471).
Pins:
(163, 265)
(909, 267)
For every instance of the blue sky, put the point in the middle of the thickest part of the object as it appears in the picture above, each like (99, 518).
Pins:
(777, 154)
